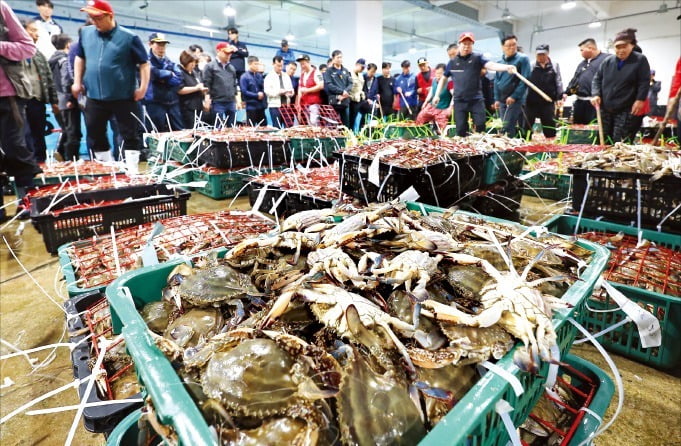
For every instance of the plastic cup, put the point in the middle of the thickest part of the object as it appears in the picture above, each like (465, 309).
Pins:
(132, 160)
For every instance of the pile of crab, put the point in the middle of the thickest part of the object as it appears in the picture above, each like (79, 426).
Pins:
(360, 331)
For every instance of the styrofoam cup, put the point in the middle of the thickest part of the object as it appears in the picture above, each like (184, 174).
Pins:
(132, 160)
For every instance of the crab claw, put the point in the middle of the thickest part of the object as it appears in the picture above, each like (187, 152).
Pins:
(523, 360)
(279, 307)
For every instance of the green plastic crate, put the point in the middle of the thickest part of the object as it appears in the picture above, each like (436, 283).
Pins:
(222, 185)
(500, 165)
(70, 273)
(125, 433)
(551, 186)
(302, 148)
(183, 178)
(472, 418)
(578, 136)
(625, 340)
(177, 150)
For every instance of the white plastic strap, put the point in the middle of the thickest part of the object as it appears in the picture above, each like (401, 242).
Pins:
(553, 367)
(506, 375)
(648, 325)
(273, 209)
(259, 199)
(503, 408)
(374, 176)
(638, 209)
(626, 320)
(593, 414)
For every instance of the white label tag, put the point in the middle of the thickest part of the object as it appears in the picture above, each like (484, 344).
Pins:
(161, 147)
(374, 176)
(648, 325)
(409, 195)
(258, 200)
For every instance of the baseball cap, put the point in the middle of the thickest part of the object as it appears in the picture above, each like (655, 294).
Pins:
(361, 61)
(303, 57)
(421, 61)
(284, 42)
(158, 38)
(466, 35)
(542, 49)
(405, 63)
(224, 46)
(97, 8)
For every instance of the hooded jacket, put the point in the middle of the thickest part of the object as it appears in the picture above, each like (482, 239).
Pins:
(61, 75)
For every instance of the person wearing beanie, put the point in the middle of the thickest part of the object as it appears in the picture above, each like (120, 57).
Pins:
(620, 88)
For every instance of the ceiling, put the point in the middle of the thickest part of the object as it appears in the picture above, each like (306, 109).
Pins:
(416, 25)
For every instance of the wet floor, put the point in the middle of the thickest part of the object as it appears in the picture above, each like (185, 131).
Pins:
(31, 316)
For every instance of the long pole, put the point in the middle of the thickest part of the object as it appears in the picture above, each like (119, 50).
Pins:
(601, 136)
(534, 87)
(671, 106)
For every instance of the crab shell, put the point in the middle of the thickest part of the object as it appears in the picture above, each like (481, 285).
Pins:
(214, 285)
(196, 324)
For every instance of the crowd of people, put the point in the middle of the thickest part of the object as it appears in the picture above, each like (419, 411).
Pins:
(110, 76)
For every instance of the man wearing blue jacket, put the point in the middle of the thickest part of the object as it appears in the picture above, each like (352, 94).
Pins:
(253, 92)
(405, 89)
(106, 65)
(509, 91)
(162, 101)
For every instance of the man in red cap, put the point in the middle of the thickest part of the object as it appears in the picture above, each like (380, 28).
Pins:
(108, 61)
(220, 78)
(620, 88)
(465, 69)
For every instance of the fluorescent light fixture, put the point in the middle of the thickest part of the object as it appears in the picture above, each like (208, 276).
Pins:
(412, 50)
(205, 21)
(202, 28)
(595, 24)
(567, 5)
(320, 30)
(290, 36)
(229, 10)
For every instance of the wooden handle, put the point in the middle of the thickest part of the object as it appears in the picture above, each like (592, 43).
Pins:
(534, 87)
(671, 106)
(601, 136)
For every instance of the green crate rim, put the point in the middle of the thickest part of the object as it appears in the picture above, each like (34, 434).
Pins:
(479, 401)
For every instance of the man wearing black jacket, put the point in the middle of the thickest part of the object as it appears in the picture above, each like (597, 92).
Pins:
(337, 84)
(582, 110)
(386, 95)
(238, 59)
(620, 88)
(546, 76)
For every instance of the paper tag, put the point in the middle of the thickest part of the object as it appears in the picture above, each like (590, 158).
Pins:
(648, 325)
(374, 176)
(409, 195)
(259, 199)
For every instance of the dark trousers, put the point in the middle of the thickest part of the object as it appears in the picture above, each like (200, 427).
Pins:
(35, 130)
(354, 111)
(70, 133)
(226, 111)
(620, 126)
(97, 115)
(583, 112)
(461, 111)
(17, 159)
(344, 114)
(162, 115)
(546, 113)
(512, 118)
(387, 109)
(277, 119)
(255, 117)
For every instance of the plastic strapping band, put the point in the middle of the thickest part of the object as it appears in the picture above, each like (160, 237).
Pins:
(638, 209)
(506, 375)
(626, 320)
(593, 414)
(553, 367)
(659, 226)
(502, 407)
(581, 208)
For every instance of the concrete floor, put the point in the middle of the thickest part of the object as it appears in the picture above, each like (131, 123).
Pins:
(30, 317)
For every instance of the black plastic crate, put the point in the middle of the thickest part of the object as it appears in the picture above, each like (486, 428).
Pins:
(158, 203)
(272, 195)
(232, 154)
(98, 419)
(500, 200)
(615, 197)
(298, 202)
(440, 184)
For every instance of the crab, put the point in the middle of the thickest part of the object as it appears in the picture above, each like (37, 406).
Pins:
(336, 264)
(213, 285)
(424, 240)
(329, 303)
(194, 326)
(441, 388)
(307, 221)
(410, 266)
(288, 240)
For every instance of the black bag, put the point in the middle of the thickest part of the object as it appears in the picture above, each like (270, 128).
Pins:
(14, 69)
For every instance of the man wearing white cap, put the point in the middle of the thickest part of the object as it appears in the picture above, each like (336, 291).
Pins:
(465, 70)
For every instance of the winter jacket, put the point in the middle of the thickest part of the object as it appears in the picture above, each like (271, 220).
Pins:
(165, 81)
(357, 90)
(238, 59)
(111, 61)
(371, 92)
(580, 84)
(62, 77)
(424, 83)
(221, 81)
(621, 83)
(48, 94)
(408, 84)
(273, 87)
(509, 85)
(548, 80)
(337, 81)
(252, 84)
(288, 56)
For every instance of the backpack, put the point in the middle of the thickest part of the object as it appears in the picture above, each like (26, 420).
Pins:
(14, 69)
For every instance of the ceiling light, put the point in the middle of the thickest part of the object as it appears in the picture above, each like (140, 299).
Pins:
(663, 8)
(595, 24)
(567, 5)
(289, 36)
(412, 50)
(229, 10)
(205, 21)
(202, 28)
(506, 14)
(320, 29)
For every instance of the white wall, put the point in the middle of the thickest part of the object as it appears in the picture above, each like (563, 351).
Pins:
(659, 35)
